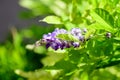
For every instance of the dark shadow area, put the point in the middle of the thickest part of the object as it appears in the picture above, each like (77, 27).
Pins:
(9, 17)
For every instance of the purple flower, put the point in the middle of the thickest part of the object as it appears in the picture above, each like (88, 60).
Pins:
(76, 44)
(60, 31)
(50, 39)
(75, 31)
(48, 45)
(54, 45)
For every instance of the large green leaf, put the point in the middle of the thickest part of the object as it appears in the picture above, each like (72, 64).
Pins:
(103, 17)
(65, 65)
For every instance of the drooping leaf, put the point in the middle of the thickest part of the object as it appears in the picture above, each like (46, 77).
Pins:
(65, 65)
(52, 20)
(52, 58)
(35, 75)
(103, 17)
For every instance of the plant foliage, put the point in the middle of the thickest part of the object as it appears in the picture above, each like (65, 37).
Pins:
(97, 57)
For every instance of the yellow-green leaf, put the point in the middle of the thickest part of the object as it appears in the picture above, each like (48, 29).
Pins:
(52, 20)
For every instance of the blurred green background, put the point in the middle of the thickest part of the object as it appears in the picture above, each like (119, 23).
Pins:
(18, 27)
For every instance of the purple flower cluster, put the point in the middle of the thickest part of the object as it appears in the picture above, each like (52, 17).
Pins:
(51, 40)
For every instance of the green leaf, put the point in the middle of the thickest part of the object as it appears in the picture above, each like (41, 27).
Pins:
(73, 10)
(35, 6)
(103, 17)
(117, 21)
(65, 65)
(75, 55)
(52, 20)
(84, 76)
(52, 58)
(69, 25)
(35, 75)
(89, 33)
(67, 37)
(40, 50)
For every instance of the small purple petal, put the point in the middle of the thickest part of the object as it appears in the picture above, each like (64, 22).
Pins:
(55, 46)
(75, 31)
(81, 38)
(63, 44)
(76, 44)
(48, 45)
